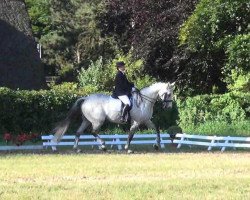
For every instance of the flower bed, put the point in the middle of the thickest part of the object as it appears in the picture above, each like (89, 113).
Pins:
(21, 138)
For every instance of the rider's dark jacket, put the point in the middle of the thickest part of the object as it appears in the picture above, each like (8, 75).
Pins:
(122, 85)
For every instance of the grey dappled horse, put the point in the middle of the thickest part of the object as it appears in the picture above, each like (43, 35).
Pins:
(97, 108)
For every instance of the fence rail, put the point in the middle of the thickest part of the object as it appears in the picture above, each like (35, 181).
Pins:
(146, 139)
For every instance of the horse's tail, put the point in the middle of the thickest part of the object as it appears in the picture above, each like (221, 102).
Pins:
(62, 126)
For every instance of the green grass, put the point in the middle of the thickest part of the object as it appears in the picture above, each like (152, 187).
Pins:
(121, 176)
(220, 129)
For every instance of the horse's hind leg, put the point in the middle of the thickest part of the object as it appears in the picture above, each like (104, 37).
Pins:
(80, 130)
(95, 132)
(151, 125)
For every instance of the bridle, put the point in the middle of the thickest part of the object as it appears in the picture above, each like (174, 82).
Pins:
(152, 100)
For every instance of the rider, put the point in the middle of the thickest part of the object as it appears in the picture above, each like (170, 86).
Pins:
(123, 88)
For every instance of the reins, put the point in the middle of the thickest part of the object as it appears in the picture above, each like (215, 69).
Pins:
(142, 96)
(151, 100)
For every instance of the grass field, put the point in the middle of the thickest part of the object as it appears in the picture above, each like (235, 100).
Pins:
(121, 176)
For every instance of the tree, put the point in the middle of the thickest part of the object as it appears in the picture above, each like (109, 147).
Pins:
(150, 28)
(74, 39)
(20, 66)
(216, 36)
(40, 16)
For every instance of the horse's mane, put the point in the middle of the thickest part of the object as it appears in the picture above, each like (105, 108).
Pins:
(138, 96)
(157, 85)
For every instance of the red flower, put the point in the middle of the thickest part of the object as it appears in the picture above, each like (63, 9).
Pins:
(7, 137)
(21, 138)
(34, 137)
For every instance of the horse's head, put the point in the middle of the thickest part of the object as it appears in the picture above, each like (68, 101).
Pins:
(166, 94)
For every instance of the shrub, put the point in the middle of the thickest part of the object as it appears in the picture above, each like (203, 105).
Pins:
(93, 77)
(237, 65)
(35, 111)
(241, 128)
(228, 108)
(38, 111)
(216, 37)
(100, 76)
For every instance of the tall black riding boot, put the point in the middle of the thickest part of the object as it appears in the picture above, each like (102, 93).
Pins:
(125, 112)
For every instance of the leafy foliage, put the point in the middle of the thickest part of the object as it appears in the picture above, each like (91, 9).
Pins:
(227, 108)
(237, 65)
(93, 77)
(39, 12)
(38, 111)
(100, 76)
(69, 35)
(150, 28)
(217, 32)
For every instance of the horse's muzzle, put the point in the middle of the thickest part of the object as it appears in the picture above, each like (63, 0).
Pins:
(167, 104)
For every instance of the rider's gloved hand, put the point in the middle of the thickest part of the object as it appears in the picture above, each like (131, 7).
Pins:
(134, 89)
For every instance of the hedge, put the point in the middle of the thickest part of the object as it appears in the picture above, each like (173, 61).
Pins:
(35, 111)
(229, 108)
(38, 111)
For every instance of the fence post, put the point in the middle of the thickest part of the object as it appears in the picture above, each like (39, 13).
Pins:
(230, 141)
(119, 146)
(182, 139)
(52, 147)
(226, 142)
(212, 142)
(95, 140)
(162, 144)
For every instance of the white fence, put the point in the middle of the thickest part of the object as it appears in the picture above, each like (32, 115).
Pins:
(145, 139)
(25, 147)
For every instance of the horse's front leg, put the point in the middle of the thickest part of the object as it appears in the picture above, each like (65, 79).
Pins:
(132, 130)
(151, 125)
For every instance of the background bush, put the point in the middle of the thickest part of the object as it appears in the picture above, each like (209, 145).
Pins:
(100, 76)
(39, 111)
(230, 108)
(216, 37)
(36, 111)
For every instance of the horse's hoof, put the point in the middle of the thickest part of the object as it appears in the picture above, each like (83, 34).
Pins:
(156, 147)
(78, 150)
(103, 147)
(130, 151)
(54, 149)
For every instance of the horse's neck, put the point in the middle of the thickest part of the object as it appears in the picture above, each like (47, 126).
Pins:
(150, 92)
(149, 96)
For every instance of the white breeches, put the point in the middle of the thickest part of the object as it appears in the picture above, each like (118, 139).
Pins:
(125, 99)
